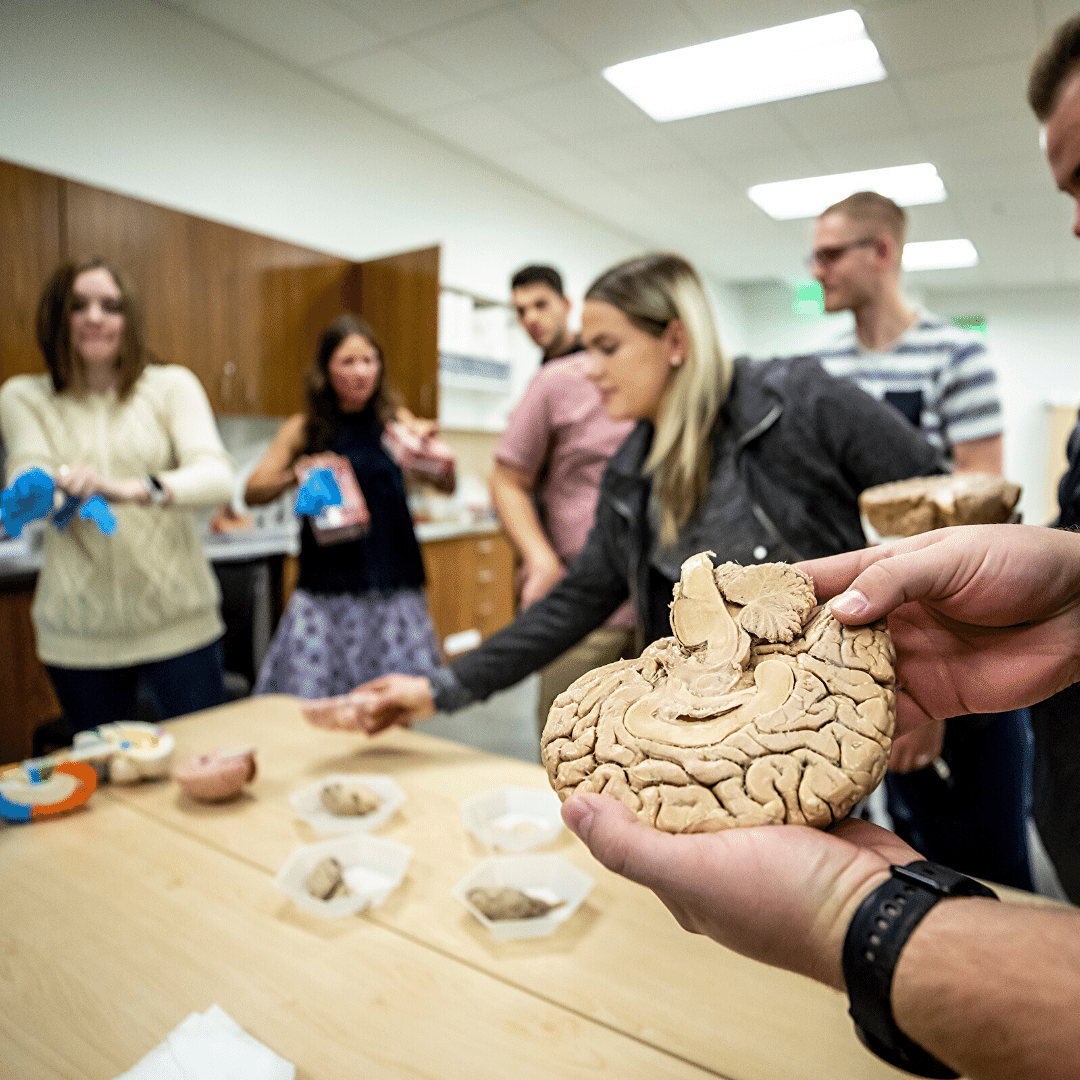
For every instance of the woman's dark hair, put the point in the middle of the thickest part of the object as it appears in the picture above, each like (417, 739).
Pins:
(323, 407)
(54, 328)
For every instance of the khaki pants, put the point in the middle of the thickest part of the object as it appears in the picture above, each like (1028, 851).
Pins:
(603, 646)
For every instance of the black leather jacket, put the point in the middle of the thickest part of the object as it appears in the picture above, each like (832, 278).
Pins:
(791, 451)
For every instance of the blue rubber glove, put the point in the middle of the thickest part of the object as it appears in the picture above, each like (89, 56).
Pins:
(317, 492)
(29, 498)
(97, 509)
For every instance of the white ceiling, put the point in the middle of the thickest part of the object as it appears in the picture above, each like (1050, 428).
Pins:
(517, 84)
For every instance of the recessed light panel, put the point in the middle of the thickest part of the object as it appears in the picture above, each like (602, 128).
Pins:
(906, 185)
(940, 255)
(806, 57)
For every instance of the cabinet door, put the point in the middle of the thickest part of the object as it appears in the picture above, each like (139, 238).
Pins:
(29, 252)
(26, 695)
(399, 296)
(243, 311)
(469, 584)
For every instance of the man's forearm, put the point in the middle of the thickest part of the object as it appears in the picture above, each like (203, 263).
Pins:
(979, 455)
(513, 503)
(993, 989)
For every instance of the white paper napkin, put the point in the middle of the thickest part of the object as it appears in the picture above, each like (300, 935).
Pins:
(210, 1046)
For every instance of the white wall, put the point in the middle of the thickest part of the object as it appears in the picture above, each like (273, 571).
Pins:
(1035, 337)
(139, 98)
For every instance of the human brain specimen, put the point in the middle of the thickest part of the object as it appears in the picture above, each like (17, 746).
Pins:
(754, 713)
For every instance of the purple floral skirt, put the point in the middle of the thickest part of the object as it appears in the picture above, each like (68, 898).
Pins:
(327, 643)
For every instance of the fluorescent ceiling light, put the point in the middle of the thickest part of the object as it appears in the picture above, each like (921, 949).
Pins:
(940, 255)
(907, 185)
(799, 58)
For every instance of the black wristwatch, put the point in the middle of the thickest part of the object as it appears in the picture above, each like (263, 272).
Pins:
(880, 929)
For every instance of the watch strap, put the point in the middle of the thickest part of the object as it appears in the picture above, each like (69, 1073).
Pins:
(878, 932)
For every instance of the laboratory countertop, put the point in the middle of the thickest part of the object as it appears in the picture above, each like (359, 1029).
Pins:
(20, 559)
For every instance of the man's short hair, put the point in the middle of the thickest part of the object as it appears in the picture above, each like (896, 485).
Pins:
(870, 208)
(1053, 67)
(538, 275)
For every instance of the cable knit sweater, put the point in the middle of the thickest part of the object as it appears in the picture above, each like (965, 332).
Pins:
(147, 592)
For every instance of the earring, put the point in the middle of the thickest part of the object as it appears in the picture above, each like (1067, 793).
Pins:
(676, 361)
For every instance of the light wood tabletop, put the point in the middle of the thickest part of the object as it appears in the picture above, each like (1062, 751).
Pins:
(620, 965)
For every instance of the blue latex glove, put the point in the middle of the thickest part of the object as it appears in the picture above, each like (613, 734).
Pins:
(317, 492)
(29, 498)
(97, 509)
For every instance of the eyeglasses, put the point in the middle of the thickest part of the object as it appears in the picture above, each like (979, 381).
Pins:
(827, 256)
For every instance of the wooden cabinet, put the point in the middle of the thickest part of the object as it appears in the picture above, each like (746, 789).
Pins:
(242, 310)
(469, 584)
(30, 248)
(26, 695)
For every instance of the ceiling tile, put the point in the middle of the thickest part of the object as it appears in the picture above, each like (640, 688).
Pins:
(495, 52)
(1050, 14)
(940, 35)
(744, 171)
(481, 128)
(987, 141)
(681, 186)
(859, 111)
(967, 95)
(313, 34)
(579, 105)
(1029, 175)
(396, 18)
(725, 18)
(935, 221)
(720, 136)
(858, 154)
(397, 81)
(604, 32)
(632, 150)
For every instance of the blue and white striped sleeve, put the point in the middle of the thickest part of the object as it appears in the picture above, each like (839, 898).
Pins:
(969, 404)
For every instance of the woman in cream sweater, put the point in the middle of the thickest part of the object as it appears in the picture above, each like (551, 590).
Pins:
(142, 602)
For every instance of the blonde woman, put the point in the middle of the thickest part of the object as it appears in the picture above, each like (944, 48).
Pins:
(754, 461)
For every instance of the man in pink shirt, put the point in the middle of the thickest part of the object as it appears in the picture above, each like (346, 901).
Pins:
(547, 471)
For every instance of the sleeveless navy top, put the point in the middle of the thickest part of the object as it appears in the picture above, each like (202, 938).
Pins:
(389, 556)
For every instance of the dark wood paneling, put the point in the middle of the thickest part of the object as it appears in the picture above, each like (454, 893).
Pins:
(241, 310)
(26, 695)
(29, 251)
(399, 296)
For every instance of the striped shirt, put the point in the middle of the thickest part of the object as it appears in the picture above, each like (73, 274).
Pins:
(940, 376)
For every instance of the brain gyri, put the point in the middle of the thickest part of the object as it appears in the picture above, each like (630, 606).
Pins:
(749, 715)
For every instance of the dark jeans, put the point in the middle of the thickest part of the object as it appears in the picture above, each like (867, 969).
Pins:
(177, 685)
(976, 821)
(1056, 725)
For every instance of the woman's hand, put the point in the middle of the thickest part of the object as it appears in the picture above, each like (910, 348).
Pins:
(378, 704)
(783, 895)
(325, 460)
(84, 481)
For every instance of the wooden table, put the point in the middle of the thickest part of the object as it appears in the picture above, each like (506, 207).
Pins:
(120, 919)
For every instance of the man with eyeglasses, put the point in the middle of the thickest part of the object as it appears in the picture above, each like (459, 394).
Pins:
(939, 376)
(955, 792)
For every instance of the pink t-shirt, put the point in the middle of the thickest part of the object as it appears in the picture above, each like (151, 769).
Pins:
(560, 421)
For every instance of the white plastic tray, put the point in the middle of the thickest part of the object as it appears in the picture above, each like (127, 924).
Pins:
(373, 868)
(547, 877)
(513, 818)
(306, 803)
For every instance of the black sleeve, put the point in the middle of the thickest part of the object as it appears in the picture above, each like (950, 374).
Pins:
(1069, 487)
(594, 587)
(870, 441)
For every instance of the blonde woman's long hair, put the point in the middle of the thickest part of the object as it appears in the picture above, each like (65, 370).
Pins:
(652, 291)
